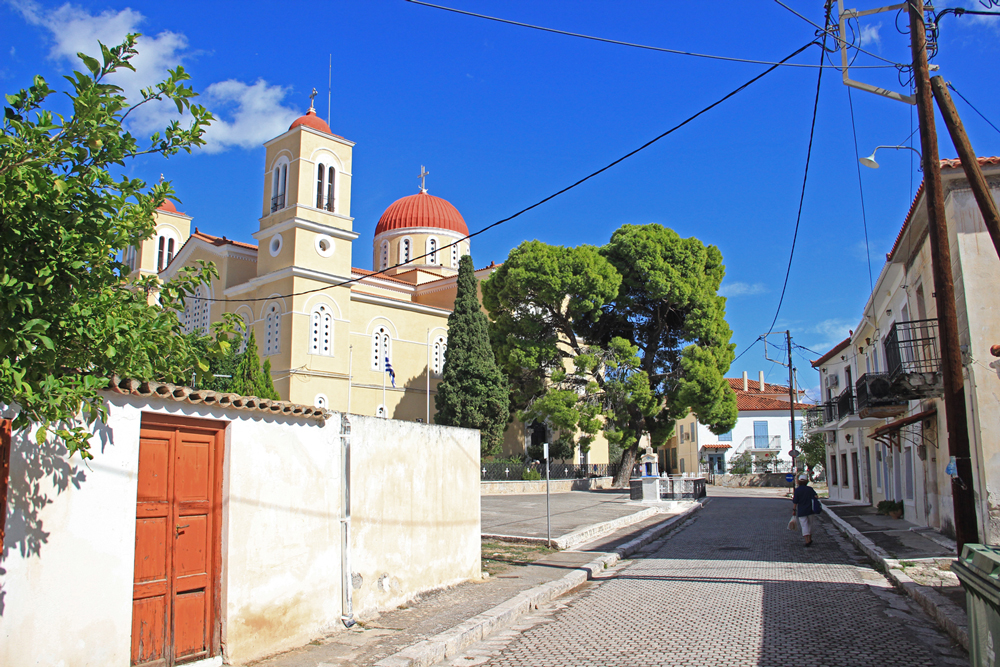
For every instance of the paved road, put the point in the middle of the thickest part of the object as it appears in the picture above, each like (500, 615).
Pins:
(524, 515)
(732, 587)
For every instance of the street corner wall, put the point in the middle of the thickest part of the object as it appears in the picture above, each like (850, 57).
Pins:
(67, 563)
(414, 509)
(281, 538)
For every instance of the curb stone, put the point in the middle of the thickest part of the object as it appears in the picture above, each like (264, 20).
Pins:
(949, 616)
(455, 640)
(585, 534)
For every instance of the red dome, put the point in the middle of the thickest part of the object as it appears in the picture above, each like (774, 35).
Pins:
(422, 210)
(313, 121)
(167, 206)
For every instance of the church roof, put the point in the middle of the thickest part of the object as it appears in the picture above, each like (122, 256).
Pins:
(220, 240)
(313, 121)
(167, 206)
(421, 210)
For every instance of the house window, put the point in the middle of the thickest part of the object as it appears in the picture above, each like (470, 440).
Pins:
(845, 480)
(798, 429)
(404, 251)
(432, 251)
(321, 331)
(384, 256)
(272, 330)
(681, 432)
(726, 437)
(878, 467)
(381, 348)
(833, 470)
(908, 472)
(437, 355)
(760, 436)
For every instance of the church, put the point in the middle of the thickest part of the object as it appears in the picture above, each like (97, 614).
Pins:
(338, 337)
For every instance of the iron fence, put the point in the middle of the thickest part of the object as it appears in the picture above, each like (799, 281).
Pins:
(875, 389)
(912, 347)
(845, 403)
(513, 470)
(737, 467)
(277, 202)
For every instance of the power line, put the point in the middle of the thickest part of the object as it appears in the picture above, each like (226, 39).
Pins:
(747, 349)
(803, 347)
(864, 216)
(805, 177)
(633, 44)
(949, 84)
(840, 39)
(541, 201)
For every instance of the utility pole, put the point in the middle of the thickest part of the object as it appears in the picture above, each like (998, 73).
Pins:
(966, 526)
(791, 400)
(970, 164)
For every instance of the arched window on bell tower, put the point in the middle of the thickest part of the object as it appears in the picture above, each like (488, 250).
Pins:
(279, 186)
(325, 190)
(432, 251)
(405, 250)
(383, 262)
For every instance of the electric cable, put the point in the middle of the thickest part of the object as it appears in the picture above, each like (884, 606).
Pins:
(861, 189)
(637, 46)
(805, 176)
(746, 349)
(840, 38)
(949, 84)
(539, 202)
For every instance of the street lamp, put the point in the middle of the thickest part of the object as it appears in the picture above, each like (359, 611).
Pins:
(870, 160)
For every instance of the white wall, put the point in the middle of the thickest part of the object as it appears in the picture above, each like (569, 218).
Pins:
(67, 575)
(777, 425)
(414, 509)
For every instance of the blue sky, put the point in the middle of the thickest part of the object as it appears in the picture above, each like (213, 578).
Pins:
(503, 116)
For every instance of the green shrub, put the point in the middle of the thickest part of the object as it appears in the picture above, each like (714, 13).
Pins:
(531, 475)
(886, 506)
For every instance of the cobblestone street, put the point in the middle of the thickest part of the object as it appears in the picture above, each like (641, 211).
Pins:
(731, 587)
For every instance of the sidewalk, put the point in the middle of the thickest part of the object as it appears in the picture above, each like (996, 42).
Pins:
(442, 623)
(916, 559)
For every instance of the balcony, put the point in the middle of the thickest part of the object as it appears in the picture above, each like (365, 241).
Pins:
(277, 203)
(845, 404)
(913, 360)
(876, 398)
(759, 444)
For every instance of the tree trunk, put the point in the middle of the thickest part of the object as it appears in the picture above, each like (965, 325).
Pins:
(627, 463)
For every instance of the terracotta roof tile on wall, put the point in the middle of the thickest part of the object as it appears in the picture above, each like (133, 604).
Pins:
(213, 398)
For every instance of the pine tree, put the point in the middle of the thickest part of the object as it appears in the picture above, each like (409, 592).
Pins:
(250, 379)
(474, 392)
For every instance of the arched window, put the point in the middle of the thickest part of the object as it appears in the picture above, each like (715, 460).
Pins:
(383, 262)
(454, 256)
(404, 251)
(278, 184)
(432, 251)
(272, 335)
(161, 247)
(195, 318)
(325, 192)
(381, 348)
(244, 329)
(437, 355)
(321, 331)
(165, 244)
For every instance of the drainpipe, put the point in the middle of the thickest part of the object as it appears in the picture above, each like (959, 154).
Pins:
(347, 603)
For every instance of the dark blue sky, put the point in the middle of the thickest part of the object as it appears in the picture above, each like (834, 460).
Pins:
(503, 116)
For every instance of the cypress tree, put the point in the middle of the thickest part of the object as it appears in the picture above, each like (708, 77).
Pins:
(250, 379)
(473, 393)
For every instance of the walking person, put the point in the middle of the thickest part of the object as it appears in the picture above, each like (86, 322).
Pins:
(802, 506)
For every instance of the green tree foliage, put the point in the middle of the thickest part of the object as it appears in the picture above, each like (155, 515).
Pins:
(69, 318)
(636, 329)
(473, 393)
(249, 378)
(812, 445)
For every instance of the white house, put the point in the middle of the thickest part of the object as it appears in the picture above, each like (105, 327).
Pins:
(883, 414)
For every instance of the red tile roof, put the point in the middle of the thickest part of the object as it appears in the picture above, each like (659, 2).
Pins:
(745, 401)
(380, 276)
(220, 240)
(313, 121)
(754, 386)
(829, 355)
(954, 163)
(421, 210)
(716, 446)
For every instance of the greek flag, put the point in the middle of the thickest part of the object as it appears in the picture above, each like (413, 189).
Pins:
(392, 373)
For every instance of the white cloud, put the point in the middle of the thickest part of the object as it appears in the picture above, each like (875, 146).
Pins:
(742, 289)
(834, 328)
(247, 114)
(869, 35)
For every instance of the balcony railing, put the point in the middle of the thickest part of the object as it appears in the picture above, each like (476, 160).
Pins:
(845, 403)
(876, 390)
(277, 203)
(912, 347)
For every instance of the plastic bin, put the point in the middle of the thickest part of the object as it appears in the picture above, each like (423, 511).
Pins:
(979, 571)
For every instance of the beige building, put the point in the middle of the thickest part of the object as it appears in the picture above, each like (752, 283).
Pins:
(330, 329)
(883, 414)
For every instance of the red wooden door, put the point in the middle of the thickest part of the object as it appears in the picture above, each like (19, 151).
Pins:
(177, 536)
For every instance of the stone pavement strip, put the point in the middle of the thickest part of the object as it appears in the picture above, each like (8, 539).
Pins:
(444, 622)
(731, 586)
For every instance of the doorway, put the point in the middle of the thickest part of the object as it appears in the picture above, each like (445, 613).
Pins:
(855, 476)
(175, 597)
